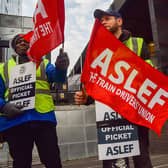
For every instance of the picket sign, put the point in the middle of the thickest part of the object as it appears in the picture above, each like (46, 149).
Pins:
(117, 138)
(22, 85)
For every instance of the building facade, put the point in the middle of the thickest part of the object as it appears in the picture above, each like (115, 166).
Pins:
(11, 7)
(11, 25)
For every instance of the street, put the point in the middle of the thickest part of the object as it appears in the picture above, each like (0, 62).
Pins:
(158, 161)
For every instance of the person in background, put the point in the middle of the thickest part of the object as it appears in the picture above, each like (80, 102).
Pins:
(112, 21)
(21, 129)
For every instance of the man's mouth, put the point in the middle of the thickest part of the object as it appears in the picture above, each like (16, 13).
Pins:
(23, 48)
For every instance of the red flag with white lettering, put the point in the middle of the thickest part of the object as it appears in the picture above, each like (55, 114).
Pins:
(49, 19)
(116, 76)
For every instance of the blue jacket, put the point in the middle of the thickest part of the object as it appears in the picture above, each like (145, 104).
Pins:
(54, 75)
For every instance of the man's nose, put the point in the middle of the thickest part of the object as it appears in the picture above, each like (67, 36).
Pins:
(103, 22)
(22, 42)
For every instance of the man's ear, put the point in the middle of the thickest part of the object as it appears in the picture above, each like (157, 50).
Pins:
(119, 21)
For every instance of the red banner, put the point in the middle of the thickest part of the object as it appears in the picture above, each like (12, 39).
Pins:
(27, 36)
(116, 76)
(49, 19)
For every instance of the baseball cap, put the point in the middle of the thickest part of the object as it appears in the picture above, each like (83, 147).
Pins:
(15, 39)
(27, 37)
(98, 13)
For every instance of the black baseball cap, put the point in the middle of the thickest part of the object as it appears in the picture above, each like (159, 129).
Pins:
(98, 13)
(15, 39)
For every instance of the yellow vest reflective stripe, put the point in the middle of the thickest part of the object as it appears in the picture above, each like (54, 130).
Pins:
(43, 98)
(5, 75)
(40, 73)
(135, 44)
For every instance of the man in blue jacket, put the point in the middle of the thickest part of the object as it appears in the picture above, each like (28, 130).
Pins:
(21, 129)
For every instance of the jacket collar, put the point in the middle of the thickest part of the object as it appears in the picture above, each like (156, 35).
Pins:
(125, 35)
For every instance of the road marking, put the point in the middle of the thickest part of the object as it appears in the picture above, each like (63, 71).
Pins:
(160, 166)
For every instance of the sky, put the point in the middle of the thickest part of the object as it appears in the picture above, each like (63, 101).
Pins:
(79, 21)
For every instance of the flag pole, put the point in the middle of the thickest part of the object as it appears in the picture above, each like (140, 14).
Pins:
(63, 46)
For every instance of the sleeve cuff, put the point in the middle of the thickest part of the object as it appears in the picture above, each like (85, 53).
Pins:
(2, 103)
(90, 100)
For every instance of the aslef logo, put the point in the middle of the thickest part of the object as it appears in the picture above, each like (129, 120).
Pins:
(22, 69)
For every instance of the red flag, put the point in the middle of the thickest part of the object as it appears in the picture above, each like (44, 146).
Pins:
(116, 76)
(27, 36)
(49, 19)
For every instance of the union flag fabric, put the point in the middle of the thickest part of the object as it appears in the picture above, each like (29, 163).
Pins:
(117, 77)
(48, 33)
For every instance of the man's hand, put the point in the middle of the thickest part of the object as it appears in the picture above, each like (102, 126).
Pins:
(11, 110)
(62, 61)
(81, 97)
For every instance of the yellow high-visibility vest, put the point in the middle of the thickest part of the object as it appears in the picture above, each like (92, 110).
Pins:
(135, 45)
(43, 99)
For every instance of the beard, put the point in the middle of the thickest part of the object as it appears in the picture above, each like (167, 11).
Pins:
(114, 29)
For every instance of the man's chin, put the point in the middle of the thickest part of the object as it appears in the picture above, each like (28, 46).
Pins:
(22, 54)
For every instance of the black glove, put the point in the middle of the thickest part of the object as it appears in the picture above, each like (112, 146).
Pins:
(62, 61)
(10, 110)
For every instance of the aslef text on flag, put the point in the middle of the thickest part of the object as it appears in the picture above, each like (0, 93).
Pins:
(116, 76)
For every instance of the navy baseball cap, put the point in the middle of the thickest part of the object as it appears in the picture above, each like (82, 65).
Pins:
(98, 13)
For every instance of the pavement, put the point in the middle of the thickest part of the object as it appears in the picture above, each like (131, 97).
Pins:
(158, 161)
(158, 150)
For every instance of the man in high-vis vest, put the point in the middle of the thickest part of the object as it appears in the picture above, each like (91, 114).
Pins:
(21, 129)
(113, 21)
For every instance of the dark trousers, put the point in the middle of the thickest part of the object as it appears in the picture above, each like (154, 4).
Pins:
(22, 138)
(141, 161)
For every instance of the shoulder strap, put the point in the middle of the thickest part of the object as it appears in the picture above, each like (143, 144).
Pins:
(135, 44)
(6, 74)
(43, 75)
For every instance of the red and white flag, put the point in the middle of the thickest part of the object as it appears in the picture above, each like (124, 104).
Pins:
(117, 77)
(49, 20)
